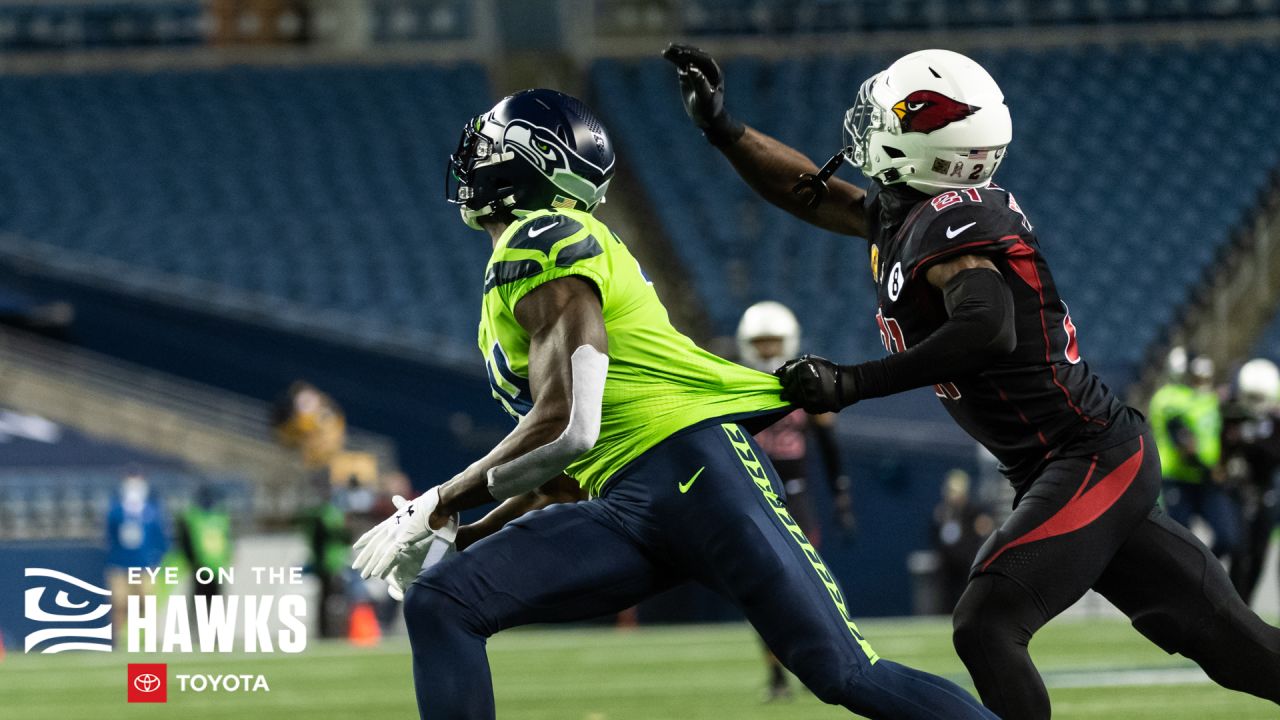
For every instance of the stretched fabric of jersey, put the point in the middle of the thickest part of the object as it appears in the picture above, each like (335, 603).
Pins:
(659, 381)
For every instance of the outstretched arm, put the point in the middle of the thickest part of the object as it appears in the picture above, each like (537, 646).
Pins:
(770, 167)
(978, 332)
(568, 359)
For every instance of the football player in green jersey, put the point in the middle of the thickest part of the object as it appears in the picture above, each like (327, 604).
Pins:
(580, 351)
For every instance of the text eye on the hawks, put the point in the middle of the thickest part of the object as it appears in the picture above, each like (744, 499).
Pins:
(915, 106)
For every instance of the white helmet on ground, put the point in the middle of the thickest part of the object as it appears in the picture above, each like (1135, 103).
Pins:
(1258, 384)
(768, 319)
(934, 119)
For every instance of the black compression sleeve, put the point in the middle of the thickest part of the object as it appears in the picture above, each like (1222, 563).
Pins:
(979, 331)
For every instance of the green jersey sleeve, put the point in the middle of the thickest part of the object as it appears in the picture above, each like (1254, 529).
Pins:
(540, 249)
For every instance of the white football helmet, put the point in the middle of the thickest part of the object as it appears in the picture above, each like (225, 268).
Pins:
(1258, 384)
(768, 319)
(934, 119)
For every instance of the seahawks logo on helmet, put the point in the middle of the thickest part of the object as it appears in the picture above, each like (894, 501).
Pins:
(561, 165)
(534, 150)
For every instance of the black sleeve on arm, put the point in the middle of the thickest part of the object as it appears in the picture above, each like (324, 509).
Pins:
(979, 331)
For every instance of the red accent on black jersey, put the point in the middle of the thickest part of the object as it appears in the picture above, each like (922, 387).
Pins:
(1041, 400)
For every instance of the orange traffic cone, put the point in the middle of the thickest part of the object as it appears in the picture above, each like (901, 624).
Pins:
(362, 628)
(1, 647)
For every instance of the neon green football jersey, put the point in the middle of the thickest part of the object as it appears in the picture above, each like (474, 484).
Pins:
(659, 381)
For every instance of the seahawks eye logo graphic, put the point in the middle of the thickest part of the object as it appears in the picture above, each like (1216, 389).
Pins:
(80, 610)
(554, 159)
(537, 145)
(925, 111)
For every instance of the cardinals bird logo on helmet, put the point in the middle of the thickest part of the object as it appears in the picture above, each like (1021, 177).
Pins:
(925, 111)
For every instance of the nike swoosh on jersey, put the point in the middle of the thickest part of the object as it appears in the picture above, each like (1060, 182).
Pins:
(950, 233)
(535, 232)
(684, 486)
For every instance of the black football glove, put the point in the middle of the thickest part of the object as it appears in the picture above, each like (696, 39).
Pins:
(816, 384)
(702, 88)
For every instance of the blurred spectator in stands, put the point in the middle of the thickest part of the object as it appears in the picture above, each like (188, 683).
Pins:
(204, 538)
(960, 526)
(768, 336)
(137, 537)
(310, 421)
(1251, 456)
(1186, 418)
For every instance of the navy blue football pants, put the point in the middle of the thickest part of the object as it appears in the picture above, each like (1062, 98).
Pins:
(703, 505)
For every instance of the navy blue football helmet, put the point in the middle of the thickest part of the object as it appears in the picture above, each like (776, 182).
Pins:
(534, 150)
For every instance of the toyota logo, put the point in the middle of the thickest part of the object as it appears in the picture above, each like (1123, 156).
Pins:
(146, 683)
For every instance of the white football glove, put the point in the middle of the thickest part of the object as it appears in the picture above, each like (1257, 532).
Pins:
(419, 557)
(390, 543)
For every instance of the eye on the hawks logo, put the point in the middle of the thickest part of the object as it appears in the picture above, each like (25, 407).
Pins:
(924, 111)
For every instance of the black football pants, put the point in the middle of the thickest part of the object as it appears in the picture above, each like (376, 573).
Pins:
(1092, 522)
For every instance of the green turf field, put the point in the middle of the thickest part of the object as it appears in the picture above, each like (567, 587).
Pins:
(1096, 669)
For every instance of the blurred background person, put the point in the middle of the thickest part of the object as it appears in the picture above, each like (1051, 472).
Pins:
(960, 526)
(1251, 457)
(313, 423)
(204, 540)
(137, 534)
(1186, 418)
(329, 543)
(769, 335)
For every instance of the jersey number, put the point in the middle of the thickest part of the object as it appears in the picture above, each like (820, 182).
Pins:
(894, 341)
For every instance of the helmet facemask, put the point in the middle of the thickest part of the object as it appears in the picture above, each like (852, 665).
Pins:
(469, 171)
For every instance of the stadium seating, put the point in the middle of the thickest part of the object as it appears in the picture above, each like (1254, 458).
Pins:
(100, 24)
(1133, 163)
(315, 190)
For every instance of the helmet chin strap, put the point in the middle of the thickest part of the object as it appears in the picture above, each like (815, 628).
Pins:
(814, 185)
(472, 217)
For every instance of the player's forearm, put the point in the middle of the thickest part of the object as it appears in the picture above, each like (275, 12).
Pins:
(772, 168)
(471, 487)
(978, 332)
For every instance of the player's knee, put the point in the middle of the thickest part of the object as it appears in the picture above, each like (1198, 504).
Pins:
(428, 612)
(834, 683)
(994, 613)
(1161, 628)
(967, 626)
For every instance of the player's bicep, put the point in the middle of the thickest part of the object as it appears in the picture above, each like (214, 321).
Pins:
(941, 273)
(560, 316)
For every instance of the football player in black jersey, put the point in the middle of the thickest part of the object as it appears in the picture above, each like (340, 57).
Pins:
(968, 305)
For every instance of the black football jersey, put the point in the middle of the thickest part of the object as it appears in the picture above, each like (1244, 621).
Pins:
(1041, 400)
